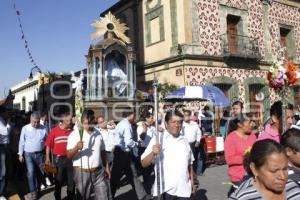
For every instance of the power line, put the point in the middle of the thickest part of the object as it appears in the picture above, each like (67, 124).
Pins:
(26, 43)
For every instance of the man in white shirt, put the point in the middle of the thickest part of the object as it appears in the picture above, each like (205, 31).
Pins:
(191, 131)
(89, 160)
(108, 136)
(146, 131)
(44, 120)
(176, 159)
(5, 130)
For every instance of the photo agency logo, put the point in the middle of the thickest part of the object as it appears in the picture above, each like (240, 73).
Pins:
(102, 90)
(112, 94)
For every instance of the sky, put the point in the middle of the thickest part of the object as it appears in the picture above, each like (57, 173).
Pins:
(58, 33)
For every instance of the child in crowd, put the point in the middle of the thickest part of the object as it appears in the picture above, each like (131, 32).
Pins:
(291, 142)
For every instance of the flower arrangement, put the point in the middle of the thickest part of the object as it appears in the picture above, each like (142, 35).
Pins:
(79, 103)
(79, 106)
(281, 76)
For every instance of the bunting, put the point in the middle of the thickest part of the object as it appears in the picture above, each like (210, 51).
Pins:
(26, 43)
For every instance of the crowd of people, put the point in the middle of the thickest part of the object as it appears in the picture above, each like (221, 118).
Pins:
(264, 165)
(92, 160)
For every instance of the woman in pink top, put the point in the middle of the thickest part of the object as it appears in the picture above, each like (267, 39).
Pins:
(274, 128)
(236, 144)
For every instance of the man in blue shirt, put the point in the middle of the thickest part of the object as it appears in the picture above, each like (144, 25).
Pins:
(125, 148)
(31, 147)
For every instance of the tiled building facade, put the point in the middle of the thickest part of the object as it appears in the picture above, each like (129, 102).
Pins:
(228, 43)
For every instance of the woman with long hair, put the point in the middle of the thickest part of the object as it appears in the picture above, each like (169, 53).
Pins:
(237, 142)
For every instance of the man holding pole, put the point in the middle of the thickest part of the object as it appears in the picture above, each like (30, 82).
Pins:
(176, 160)
(89, 159)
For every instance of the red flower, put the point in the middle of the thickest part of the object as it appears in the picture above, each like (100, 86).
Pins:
(291, 73)
(270, 79)
(292, 77)
(290, 66)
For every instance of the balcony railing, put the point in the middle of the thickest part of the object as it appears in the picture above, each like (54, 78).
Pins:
(240, 46)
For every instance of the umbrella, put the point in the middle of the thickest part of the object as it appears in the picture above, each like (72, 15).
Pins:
(200, 92)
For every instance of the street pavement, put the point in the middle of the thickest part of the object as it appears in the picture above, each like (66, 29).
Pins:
(213, 186)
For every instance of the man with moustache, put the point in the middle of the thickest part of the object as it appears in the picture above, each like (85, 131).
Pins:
(176, 158)
(57, 143)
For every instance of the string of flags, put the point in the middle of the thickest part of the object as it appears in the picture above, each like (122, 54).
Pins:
(29, 53)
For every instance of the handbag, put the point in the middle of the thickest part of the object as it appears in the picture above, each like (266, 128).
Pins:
(50, 168)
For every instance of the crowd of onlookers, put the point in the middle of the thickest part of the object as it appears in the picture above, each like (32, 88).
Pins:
(264, 165)
(92, 156)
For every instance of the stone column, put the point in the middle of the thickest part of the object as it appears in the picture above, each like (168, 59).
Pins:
(267, 35)
(93, 80)
(100, 80)
(87, 92)
(88, 65)
(130, 79)
(134, 78)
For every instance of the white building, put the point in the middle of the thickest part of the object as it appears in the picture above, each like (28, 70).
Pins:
(26, 93)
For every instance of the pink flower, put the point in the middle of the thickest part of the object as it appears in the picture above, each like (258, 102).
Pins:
(279, 79)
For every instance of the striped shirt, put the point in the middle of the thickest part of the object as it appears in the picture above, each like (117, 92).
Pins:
(294, 174)
(57, 140)
(248, 191)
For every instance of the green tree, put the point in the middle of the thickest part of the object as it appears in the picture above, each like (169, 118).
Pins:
(165, 88)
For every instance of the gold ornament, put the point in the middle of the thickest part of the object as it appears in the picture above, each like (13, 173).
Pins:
(43, 79)
(110, 23)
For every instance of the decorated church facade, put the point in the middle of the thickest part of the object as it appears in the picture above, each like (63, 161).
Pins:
(227, 43)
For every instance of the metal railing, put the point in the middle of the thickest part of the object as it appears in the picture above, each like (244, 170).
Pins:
(240, 46)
